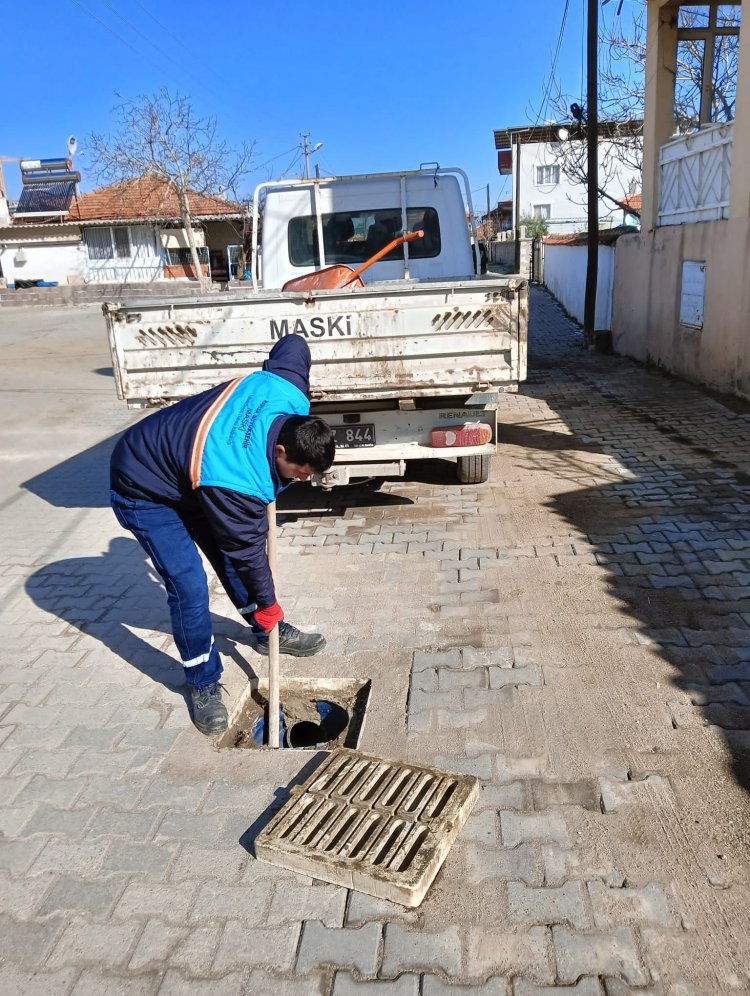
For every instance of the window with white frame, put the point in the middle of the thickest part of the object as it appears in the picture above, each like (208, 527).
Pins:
(107, 243)
(120, 242)
(547, 175)
(542, 211)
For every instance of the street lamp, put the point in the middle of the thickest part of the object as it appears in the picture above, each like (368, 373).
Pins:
(307, 152)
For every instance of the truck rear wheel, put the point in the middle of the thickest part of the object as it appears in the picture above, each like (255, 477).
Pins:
(473, 469)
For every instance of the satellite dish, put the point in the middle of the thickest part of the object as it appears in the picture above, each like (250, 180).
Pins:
(72, 145)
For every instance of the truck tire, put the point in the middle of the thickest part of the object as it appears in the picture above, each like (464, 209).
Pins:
(473, 469)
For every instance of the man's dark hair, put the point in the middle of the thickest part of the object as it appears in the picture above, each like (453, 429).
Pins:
(308, 440)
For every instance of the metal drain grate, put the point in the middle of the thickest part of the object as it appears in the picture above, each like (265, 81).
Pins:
(381, 827)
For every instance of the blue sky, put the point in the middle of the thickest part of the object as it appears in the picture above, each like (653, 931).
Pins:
(384, 85)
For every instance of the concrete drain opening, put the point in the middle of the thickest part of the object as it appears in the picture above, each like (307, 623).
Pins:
(331, 714)
(378, 826)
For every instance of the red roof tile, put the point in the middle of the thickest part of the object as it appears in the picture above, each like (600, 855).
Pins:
(145, 197)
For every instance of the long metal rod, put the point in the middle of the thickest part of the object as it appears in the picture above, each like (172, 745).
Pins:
(273, 639)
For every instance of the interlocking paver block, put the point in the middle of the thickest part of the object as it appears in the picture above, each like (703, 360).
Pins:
(194, 954)
(501, 677)
(515, 828)
(616, 987)
(584, 793)
(135, 825)
(496, 952)
(612, 953)
(429, 660)
(512, 796)
(614, 906)
(651, 790)
(27, 942)
(82, 895)
(156, 944)
(480, 766)
(14, 818)
(233, 984)
(345, 985)
(406, 950)
(507, 863)
(432, 985)
(343, 947)
(363, 908)
(23, 982)
(584, 987)
(261, 982)
(217, 901)
(292, 903)
(272, 948)
(548, 905)
(63, 822)
(93, 982)
(150, 899)
(481, 828)
(561, 864)
(449, 678)
(106, 944)
(509, 768)
(54, 791)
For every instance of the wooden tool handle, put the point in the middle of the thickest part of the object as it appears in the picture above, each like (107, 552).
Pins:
(273, 638)
(383, 252)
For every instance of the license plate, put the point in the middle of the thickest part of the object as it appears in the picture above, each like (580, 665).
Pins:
(350, 436)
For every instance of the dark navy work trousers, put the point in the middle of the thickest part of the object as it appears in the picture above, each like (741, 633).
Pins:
(172, 542)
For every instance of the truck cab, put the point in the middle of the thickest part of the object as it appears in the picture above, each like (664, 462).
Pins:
(310, 224)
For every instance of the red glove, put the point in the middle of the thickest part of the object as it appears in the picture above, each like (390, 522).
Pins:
(268, 617)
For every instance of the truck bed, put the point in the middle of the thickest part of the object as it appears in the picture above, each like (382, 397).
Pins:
(386, 340)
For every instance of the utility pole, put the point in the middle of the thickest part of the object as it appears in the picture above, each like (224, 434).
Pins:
(592, 149)
(307, 152)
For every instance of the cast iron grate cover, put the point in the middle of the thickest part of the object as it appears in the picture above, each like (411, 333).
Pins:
(378, 826)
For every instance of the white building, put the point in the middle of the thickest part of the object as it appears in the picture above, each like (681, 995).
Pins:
(532, 156)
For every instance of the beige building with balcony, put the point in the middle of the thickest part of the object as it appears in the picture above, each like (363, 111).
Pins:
(682, 285)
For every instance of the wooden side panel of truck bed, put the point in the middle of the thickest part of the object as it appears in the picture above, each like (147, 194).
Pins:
(429, 339)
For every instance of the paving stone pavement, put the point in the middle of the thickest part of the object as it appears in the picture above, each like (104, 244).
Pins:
(574, 634)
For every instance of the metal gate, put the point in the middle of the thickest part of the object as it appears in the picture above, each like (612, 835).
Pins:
(537, 261)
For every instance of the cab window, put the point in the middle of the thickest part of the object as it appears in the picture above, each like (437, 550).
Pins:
(353, 236)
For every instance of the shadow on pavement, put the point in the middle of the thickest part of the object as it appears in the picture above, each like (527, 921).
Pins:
(670, 521)
(109, 597)
(281, 796)
(82, 481)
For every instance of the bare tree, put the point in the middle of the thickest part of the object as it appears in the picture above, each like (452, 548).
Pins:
(622, 90)
(161, 137)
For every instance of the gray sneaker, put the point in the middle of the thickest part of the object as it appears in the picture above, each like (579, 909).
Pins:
(293, 642)
(209, 712)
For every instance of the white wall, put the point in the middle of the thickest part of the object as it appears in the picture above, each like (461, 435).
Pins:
(565, 277)
(63, 263)
(568, 200)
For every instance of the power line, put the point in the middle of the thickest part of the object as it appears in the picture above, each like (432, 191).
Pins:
(548, 88)
(145, 37)
(106, 26)
(218, 76)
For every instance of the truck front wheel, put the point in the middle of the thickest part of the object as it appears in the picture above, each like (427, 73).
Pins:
(473, 469)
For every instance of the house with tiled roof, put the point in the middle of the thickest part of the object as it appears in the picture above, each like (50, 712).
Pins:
(127, 232)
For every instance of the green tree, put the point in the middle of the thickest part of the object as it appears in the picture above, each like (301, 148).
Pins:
(161, 136)
(535, 224)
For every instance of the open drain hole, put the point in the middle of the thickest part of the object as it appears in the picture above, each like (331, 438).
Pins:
(309, 719)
